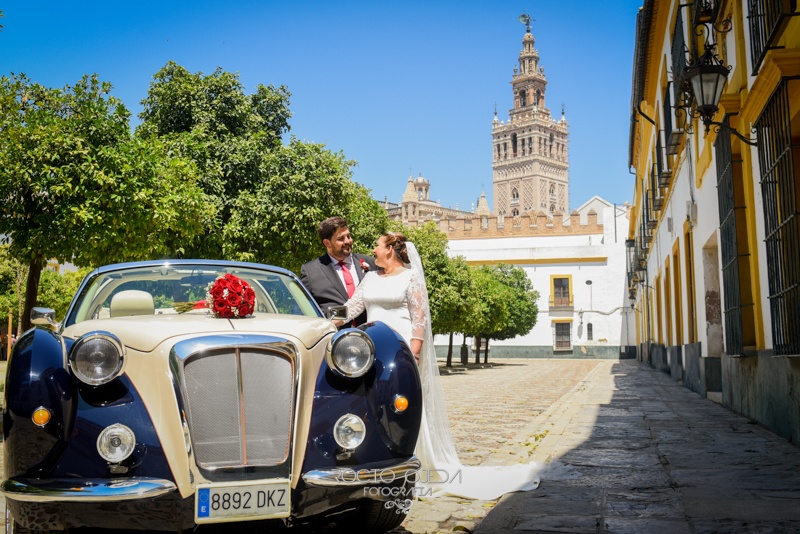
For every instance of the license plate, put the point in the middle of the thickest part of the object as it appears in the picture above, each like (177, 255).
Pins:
(216, 503)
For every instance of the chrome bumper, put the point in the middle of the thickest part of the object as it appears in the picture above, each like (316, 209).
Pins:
(365, 475)
(84, 490)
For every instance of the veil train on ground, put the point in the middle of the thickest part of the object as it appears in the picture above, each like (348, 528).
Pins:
(442, 473)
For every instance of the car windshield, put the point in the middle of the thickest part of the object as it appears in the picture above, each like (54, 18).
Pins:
(182, 288)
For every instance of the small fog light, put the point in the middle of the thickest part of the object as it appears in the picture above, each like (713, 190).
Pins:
(400, 403)
(349, 431)
(41, 416)
(115, 443)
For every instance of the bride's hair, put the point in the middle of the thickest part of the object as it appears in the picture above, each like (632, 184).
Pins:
(398, 243)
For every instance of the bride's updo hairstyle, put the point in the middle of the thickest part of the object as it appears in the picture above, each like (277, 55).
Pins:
(398, 243)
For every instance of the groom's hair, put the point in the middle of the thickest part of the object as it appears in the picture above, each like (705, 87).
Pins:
(329, 226)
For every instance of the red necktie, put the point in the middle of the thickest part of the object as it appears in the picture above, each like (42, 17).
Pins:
(348, 279)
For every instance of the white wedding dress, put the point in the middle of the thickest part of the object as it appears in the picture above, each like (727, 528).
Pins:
(401, 301)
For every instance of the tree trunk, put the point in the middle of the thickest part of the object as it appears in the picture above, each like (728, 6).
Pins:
(486, 352)
(477, 349)
(22, 276)
(31, 292)
(450, 352)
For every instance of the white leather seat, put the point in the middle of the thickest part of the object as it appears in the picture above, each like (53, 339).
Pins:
(132, 302)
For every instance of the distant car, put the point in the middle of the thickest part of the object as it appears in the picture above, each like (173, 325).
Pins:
(146, 410)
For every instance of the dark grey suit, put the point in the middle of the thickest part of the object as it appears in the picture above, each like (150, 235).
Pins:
(323, 282)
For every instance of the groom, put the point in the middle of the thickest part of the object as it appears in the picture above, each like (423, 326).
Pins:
(332, 278)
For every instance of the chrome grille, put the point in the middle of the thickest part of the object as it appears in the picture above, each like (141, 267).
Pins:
(239, 407)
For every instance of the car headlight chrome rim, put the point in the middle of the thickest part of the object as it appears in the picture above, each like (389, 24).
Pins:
(352, 353)
(97, 358)
(115, 443)
(349, 431)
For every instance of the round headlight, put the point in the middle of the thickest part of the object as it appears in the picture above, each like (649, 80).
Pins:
(97, 358)
(349, 431)
(352, 353)
(115, 443)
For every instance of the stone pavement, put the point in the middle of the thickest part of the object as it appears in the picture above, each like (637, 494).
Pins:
(628, 450)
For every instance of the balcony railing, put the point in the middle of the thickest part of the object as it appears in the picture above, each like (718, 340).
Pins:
(768, 19)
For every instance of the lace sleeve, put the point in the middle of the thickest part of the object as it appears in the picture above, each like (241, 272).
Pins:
(417, 295)
(356, 304)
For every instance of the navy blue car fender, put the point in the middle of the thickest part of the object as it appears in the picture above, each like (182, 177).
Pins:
(389, 435)
(36, 376)
(67, 445)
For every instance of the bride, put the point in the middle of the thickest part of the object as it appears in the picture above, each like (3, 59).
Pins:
(398, 297)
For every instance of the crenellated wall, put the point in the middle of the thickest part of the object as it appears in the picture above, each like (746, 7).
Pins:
(522, 226)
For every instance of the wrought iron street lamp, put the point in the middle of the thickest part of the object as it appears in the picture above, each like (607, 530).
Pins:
(708, 77)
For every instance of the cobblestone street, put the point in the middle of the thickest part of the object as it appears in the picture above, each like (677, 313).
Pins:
(494, 414)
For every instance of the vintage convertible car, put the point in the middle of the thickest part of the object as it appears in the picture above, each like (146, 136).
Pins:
(147, 410)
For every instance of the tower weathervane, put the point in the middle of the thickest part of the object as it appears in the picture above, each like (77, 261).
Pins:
(526, 20)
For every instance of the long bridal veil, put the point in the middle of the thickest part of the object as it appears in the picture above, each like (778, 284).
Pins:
(442, 472)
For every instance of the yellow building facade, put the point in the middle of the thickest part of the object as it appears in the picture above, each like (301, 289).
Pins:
(714, 237)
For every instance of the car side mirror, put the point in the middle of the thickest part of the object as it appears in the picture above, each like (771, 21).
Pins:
(44, 316)
(337, 312)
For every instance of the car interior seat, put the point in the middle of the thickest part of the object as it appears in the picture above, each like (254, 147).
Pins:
(132, 302)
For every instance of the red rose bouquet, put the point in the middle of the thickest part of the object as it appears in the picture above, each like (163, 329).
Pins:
(229, 296)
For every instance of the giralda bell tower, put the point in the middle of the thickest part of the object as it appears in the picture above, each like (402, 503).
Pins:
(529, 153)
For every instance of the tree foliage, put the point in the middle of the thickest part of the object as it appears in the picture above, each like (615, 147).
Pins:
(75, 186)
(270, 196)
(277, 222)
(506, 306)
(522, 308)
(57, 289)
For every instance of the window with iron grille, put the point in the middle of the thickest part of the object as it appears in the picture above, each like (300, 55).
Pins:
(679, 58)
(732, 306)
(563, 335)
(589, 331)
(778, 157)
(767, 20)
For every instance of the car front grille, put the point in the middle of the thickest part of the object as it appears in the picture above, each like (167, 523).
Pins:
(239, 406)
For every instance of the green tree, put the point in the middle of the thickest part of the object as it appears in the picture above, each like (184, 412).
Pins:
(522, 307)
(270, 196)
(76, 187)
(490, 313)
(57, 289)
(277, 223)
(525, 310)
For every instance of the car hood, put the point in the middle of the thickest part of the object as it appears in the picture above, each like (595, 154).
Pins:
(145, 332)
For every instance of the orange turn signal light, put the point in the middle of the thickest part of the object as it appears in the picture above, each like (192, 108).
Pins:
(400, 404)
(41, 416)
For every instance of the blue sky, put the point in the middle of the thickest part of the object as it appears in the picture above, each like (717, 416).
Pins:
(400, 87)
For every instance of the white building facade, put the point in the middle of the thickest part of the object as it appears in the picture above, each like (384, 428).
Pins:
(578, 267)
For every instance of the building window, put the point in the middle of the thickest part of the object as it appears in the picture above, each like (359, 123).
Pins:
(766, 21)
(778, 130)
(515, 212)
(589, 331)
(561, 296)
(563, 336)
(729, 243)
(522, 98)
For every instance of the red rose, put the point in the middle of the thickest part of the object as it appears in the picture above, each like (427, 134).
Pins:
(245, 309)
(235, 285)
(222, 283)
(233, 299)
(217, 292)
(250, 296)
